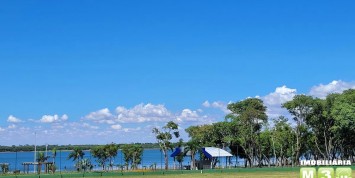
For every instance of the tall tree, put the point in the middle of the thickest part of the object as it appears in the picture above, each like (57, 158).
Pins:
(301, 108)
(249, 114)
(282, 138)
(101, 154)
(41, 158)
(343, 113)
(132, 155)
(112, 150)
(76, 155)
(164, 138)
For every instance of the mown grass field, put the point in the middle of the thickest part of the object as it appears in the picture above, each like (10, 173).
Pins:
(215, 173)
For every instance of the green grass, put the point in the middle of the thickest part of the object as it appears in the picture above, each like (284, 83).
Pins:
(219, 173)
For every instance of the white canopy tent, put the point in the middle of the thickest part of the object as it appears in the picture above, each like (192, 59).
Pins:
(211, 152)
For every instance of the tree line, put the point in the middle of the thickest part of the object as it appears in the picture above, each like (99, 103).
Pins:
(105, 155)
(27, 147)
(318, 129)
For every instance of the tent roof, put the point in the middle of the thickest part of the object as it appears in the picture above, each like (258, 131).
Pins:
(215, 152)
(176, 152)
(179, 150)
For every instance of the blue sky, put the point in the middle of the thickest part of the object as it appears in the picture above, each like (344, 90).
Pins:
(74, 71)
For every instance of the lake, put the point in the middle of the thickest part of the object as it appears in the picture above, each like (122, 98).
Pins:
(150, 156)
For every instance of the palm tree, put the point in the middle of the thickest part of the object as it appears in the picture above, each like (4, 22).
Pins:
(41, 158)
(112, 150)
(54, 154)
(76, 154)
(193, 147)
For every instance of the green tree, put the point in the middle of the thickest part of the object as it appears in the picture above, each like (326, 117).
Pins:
(54, 155)
(301, 109)
(112, 150)
(41, 158)
(164, 138)
(180, 157)
(101, 154)
(248, 116)
(343, 113)
(192, 146)
(85, 165)
(132, 155)
(283, 140)
(76, 155)
(265, 149)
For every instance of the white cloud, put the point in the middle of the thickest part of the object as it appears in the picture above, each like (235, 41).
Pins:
(86, 125)
(336, 86)
(2, 129)
(279, 96)
(116, 127)
(217, 104)
(188, 116)
(132, 129)
(206, 104)
(53, 118)
(12, 126)
(13, 119)
(101, 116)
(143, 113)
(274, 100)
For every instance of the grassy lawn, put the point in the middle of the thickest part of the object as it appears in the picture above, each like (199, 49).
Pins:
(225, 173)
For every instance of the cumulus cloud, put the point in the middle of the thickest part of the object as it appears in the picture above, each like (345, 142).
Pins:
(13, 119)
(116, 127)
(143, 113)
(218, 105)
(274, 100)
(101, 116)
(188, 116)
(53, 118)
(336, 86)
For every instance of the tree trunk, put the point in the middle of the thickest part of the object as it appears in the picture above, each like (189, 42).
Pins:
(166, 159)
(192, 160)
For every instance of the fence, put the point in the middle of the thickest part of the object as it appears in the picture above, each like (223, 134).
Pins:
(95, 174)
(152, 158)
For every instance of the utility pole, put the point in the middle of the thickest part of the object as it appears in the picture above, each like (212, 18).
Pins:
(35, 154)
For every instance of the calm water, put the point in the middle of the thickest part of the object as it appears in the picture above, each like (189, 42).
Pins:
(150, 156)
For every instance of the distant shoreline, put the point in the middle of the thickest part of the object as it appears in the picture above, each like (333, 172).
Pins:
(27, 148)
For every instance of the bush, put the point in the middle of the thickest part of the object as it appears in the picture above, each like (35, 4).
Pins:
(4, 168)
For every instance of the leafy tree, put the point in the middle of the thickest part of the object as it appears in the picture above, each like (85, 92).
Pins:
(343, 113)
(193, 146)
(54, 155)
(180, 157)
(282, 138)
(248, 116)
(41, 158)
(85, 165)
(201, 134)
(164, 138)
(101, 154)
(265, 148)
(76, 155)
(4, 168)
(132, 155)
(301, 108)
(112, 150)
